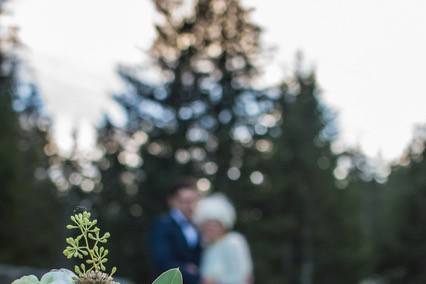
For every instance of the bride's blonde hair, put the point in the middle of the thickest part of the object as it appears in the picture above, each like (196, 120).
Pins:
(215, 207)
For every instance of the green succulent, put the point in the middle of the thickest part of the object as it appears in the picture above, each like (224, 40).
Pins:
(63, 276)
(88, 245)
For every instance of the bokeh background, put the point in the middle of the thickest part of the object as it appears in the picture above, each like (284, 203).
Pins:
(308, 114)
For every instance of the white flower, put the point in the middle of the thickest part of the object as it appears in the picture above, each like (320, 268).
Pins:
(61, 276)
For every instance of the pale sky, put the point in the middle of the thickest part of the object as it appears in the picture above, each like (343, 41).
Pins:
(369, 56)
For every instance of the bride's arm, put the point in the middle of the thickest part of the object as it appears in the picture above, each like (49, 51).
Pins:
(208, 281)
(238, 261)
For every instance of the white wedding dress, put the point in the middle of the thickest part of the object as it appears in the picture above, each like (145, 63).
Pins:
(228, 260)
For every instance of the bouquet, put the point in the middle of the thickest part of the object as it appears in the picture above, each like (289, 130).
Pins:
(89, 248)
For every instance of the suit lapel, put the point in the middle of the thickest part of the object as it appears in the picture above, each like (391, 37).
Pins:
(180, 234)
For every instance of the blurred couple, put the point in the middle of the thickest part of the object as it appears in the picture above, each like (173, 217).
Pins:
(196, 236)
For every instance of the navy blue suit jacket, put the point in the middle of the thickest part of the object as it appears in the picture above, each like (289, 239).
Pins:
(170, 249)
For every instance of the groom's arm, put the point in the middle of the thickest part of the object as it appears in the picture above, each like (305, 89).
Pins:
(163, 255)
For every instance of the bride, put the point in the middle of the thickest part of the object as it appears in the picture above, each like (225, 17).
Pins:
(226, 258)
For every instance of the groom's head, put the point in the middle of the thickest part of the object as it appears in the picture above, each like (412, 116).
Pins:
(184, 196)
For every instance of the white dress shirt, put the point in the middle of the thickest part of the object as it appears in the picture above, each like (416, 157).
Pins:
(188, 229)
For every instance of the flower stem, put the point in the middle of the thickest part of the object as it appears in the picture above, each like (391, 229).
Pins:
(84, 233)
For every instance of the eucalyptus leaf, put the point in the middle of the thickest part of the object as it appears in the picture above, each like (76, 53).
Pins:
(172, 276)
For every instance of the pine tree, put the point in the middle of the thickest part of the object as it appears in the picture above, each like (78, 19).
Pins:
(209, 58)
(402, 251)
(8, 147)
(36, 206)
(195, 121)
(28, 201)
(301, 225)
(117, 204)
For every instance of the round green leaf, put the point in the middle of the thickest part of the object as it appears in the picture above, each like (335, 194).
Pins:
(172, 276)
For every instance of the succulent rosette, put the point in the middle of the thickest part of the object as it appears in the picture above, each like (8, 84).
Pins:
(60, 276)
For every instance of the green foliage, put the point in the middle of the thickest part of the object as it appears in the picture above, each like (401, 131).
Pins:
(301, 225)
(401, 251)
(87, 245)
(172, 276)
(29, 205)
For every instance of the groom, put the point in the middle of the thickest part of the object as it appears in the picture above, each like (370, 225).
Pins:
(175, 242)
